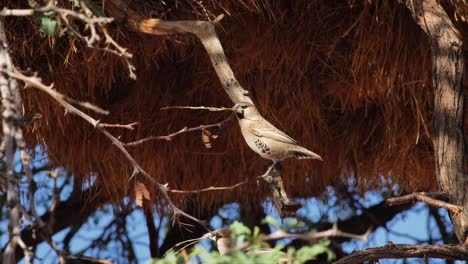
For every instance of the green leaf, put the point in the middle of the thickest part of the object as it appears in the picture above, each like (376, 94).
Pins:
(308, 253)
(76, 3)
(272, 221)
(48, 25)
(240, 233)
(238, 228)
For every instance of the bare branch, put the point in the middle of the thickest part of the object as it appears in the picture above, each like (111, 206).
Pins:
(127, 126)
(426, 198)
(391, 251)
(212, 188)
(60, 98)
(333, 232)
(182, 131)
(209, 108)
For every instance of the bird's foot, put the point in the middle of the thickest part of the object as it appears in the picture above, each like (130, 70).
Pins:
(263, 176)
(267, 173)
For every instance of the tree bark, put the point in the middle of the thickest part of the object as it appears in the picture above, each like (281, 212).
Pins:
(10, 117)
(452, 252)
(447, 71)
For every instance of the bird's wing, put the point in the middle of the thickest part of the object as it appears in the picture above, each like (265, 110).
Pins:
(270, 131)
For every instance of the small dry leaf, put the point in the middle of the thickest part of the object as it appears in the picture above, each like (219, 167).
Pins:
(140, 193)
(206, 138)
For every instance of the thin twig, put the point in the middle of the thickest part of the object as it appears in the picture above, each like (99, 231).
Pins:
(127, 126)
(182, 131)
(333, 232)
(212, 188)
(426, 198)
(209, 108)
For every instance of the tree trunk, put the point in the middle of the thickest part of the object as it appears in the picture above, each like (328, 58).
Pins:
(447, 72)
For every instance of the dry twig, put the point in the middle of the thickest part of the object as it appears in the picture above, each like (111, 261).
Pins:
(94, 24)
(183, 130)
(212, 188)
(333, 232)
(209, 108)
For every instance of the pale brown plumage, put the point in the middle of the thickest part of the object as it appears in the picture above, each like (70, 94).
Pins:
(267, 140)
(222, 238)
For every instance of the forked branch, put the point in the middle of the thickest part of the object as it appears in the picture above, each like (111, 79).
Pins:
(182, 131)
(432, 199)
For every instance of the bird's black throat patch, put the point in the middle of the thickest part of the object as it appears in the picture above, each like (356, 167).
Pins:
(240, 115)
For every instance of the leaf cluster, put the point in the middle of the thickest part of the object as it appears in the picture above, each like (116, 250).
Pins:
(249, 247)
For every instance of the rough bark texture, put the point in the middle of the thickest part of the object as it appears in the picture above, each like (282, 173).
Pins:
(448, 67)
(455, 252)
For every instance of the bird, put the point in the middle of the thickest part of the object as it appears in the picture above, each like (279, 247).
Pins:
(266, 140)
(223, 240)
(221, 236)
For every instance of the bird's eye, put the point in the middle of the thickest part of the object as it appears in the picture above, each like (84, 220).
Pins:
(244, 106)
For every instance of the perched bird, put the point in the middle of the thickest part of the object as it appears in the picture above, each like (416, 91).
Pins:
(224, 243)
(223, 240)
(267, 140)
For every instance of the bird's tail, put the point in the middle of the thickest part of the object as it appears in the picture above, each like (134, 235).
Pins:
(303, 153)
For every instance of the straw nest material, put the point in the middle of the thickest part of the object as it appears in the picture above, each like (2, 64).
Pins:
(351, 82)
